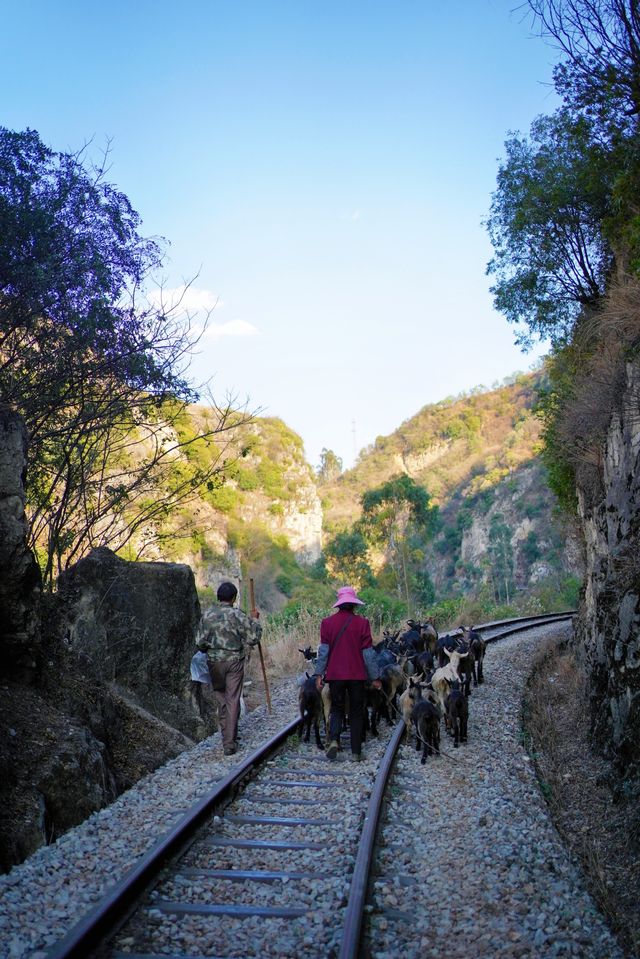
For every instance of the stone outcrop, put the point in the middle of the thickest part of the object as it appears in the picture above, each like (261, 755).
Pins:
(19, 574)
(134, 624)
(108, 703)
(609, 621)
(415, 462)
(67, 750)
(302, 524)
(521, 507)
(299, 518)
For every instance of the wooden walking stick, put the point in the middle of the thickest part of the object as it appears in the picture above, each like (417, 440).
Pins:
(252, 599)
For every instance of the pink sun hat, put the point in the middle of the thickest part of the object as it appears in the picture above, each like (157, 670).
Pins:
(347, 594)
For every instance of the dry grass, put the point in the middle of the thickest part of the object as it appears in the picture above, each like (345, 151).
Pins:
(601, 345)
(598, 825)
(280, 645)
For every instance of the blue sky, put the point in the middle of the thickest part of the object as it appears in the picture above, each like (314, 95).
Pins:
(321, 169)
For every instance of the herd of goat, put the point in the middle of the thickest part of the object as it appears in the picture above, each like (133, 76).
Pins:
(424, 676)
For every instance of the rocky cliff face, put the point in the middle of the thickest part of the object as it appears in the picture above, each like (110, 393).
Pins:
(79, 667)
(415, 462)
(536, 548)
(504, 538)
(298, 516)
(302, 524)
(609, 622)
(19, 574)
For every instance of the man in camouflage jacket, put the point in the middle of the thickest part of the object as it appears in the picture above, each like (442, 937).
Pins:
(231, 633)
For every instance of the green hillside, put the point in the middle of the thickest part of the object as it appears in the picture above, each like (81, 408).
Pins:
(474, 440)
(498, 540)
(452, 506)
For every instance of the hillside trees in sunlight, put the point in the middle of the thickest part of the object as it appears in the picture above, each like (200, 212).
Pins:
(397, 521)
(552, 259)
(330, 466)
(565, 225)
(500, 555)
(346, 557)
(566, 205)
(96, 369)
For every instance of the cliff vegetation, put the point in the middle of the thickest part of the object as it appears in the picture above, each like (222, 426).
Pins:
(564, 224)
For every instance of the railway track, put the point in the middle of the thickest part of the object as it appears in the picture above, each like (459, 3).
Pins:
(218, 878)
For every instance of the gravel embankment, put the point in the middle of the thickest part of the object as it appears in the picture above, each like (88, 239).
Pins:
(470, 856)
(471, 865)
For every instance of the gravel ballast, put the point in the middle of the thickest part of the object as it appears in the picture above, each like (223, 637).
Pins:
(470, 863)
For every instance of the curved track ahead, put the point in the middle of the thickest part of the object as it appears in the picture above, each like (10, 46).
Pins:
(191, 854)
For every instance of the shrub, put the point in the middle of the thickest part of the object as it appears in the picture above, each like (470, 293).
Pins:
(223, 498)
(284, 584)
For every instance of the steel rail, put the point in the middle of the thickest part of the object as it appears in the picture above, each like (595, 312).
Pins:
(540, 619)
(101, 922)
(534, 618)
(360, 879)
(83, 938)
(531, 624)
(354, 914)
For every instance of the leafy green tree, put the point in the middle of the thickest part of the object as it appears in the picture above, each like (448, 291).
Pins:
(566, 207)
(391, 514)
(423, 588)
(599, 79)
(330, 466)
(565, 219)
(553, 396)
(531, 548)
(600, 40)
(500, 552)
(346, 558)
(96, 369)
(552, 259)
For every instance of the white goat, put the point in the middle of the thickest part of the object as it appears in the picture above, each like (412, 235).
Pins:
(444, 676)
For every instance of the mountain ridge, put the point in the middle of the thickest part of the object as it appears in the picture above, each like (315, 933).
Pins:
(476, 455)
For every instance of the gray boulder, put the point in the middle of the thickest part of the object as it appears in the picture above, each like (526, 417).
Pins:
(134, 624)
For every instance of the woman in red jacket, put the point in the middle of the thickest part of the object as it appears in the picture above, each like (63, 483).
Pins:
(347, 659)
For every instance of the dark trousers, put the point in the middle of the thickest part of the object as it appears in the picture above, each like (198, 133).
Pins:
(339, 689)
(197, 691)
(227, 676)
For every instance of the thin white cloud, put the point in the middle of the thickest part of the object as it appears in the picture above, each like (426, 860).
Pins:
(232, 328)
(186, 299)
(354, 215)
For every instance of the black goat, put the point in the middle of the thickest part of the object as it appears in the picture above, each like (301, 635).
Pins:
(424, 663)
(457, 709)
(308, 653)
(465, 667)
(392, 680)
(375, 708)
(445, 642)
(425, 717)
(311, 713)
(478, 648)
(411, 641)
(384, 652)
(429, 634)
